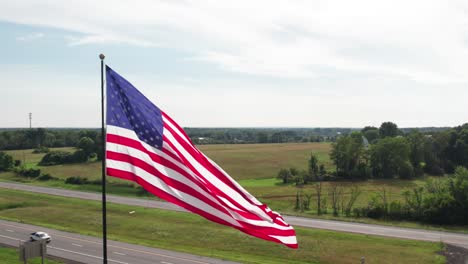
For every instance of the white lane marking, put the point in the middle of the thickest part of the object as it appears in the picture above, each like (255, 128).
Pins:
(118, 253)
(124, 248)
(14, 238)
(164, 262)
(77, 245)
(83, 254)
(9, 230)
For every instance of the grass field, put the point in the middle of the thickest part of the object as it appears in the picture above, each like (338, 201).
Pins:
(191, 233)
(10, 256)
(242, 161)
(260, 161)
(253, 165)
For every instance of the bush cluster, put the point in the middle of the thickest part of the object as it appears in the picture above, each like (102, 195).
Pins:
(41, 149)
(63, 157)
(77, 180)
(438, 202)
(6, 162)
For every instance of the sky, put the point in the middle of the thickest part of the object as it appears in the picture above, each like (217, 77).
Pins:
(239, 63)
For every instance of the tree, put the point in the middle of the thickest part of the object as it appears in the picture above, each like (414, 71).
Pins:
(313, 169)
(285, 175)
(368, 128)
(416, 156)
(354, 195)
(346, 154)
(262, 137)
(388, 129)
(6, 161)
(458, 189)
(388, 155)
(87, 145)
(372, 135)
(318, 192)
(336, 195)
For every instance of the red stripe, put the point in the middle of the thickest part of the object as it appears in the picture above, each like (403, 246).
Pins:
(211, 186)
(258, 231)
(178, 128)
(123, 141)
(164, 162)
(187, 189)
(200, 157)
(167, 180)
(165, 196)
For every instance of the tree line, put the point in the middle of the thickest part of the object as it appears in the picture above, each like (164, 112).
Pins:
(54, 138)
(40, 137)
(438, 201)
(387, 152)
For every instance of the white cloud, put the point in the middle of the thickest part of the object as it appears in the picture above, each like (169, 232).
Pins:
(105, 39)
(419, 40)
(30, 37)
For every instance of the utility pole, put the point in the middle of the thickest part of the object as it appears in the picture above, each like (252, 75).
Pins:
(30, 120)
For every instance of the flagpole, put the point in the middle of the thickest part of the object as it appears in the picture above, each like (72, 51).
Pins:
(103, 158)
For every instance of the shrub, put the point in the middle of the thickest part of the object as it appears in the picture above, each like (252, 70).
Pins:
(46, 177)
(77, 157)
(41, 150)
(406, 170)
(55, 157)
(62, 157)
(76, 180)
(30, 173)
(6, 161)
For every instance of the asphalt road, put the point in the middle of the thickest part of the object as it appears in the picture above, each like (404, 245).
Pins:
(86, 249)
(388, 231)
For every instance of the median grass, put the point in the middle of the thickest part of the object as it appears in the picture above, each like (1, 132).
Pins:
(190, 233)
(11, 256)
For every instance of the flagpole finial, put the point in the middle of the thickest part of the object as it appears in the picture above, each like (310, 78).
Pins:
(101, 56)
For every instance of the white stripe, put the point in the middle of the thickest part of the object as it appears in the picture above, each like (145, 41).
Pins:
(234, 182)
(180, 178)
(167, 171)
(175, 175)
(215, 181)
(290, 240)
(186, 198)
(173, 127)
(200, 168)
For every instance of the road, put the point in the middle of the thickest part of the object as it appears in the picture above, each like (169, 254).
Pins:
(86, 249)
(388, 231)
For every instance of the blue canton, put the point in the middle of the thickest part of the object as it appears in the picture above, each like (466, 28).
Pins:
(129, 108)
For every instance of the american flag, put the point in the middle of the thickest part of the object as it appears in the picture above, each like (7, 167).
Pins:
(144, 145)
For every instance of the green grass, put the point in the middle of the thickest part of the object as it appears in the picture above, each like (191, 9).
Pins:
(257, 161)
(191, 233)
(236, 159)
(11, 256)
(28, 158)
(254, 166)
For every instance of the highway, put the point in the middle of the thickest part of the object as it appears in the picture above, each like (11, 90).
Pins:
(388, 231)
(87, 249)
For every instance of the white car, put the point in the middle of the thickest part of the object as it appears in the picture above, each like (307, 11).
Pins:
(36, 236)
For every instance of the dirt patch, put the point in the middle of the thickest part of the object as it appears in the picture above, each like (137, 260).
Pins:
(455, 254)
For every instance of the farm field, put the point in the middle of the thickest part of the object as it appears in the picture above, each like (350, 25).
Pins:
(241, 161)
(254, 166)
(191, 233)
